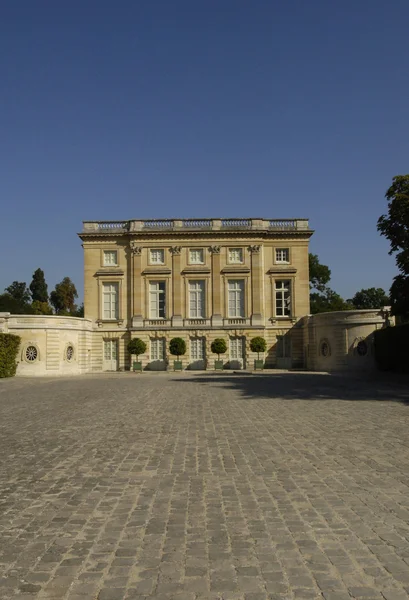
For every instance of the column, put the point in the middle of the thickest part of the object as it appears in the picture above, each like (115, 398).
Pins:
(217, 318)
(137, 287)
(257, 288)
(177, 291)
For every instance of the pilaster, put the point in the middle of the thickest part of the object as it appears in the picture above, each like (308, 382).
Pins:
(257, 291)
(217, 318)
(177, 292)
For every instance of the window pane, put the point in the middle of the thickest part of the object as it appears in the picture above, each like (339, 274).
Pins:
(282, 255)
(196, 256)
(157, 256)
(235, 255)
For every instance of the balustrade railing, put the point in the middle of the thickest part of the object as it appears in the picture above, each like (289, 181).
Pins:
(112, 225)
(158, 224)
(236, 223)
(199, 224)
(283, 224)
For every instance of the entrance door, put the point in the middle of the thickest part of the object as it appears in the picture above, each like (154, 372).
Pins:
(110, 355)
(284, 352)
(158, 354)
(197, 353)
(237, 352)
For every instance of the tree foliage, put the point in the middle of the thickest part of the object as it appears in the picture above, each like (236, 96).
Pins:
(38, 287)
(9, 345)
(395, 227)
(322, 297)
(177, 347)
(258, 344)
(13, 306)
(370, 298)
(218, 346)
(19, 291)
(137, 347)
(319, 274)
(41, 308)
(63, 297)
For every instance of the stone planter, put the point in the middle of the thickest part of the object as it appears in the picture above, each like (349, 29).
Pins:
(177, 365)
(137, 366)
(218, 365)
(258, 365)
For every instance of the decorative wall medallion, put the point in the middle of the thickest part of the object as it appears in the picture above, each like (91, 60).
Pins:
(325, 348)
(31, 354)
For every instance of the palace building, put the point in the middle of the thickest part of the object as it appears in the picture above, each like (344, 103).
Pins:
(198, 279)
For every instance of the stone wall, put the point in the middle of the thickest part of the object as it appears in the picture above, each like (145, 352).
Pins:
(342, 340)
(50, 345)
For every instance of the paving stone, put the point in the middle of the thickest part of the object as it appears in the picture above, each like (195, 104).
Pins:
(203, 486)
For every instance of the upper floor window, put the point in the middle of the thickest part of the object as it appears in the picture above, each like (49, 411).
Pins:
(236, 255)
(157, 256)
(197, 299)
(196, 256)
(282, 255)
(236, 297)
(157, 299)
(110, 300)
(110, 258)
(283, 298)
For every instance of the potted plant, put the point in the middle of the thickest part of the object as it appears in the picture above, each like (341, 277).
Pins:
(218, 346)
(258, 344)
(137, 347)
(177, 347)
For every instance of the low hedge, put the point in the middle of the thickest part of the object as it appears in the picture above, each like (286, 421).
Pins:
(9, 345)
(392, 348)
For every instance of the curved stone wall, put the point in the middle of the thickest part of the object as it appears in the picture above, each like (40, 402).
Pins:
(50, 344)
(342, 340)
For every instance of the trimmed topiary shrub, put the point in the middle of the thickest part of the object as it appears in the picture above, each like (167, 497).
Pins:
(177, 347)
(258, 344)
(9, 345)
(392, 348)
(137, 347)
(218, 346)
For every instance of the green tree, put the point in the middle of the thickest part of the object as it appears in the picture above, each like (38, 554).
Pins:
(19, 291)
(327, 302)
(370, 298)
(13, 306)
(63, 297)
(38, 287)
(41, 308)
(218, 346)
(258, 344)
(395, 227)
(137, 347)
(177, 347)
(319, 274)
(322, 297)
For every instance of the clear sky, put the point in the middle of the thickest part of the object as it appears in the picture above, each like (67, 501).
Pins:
(200, 108)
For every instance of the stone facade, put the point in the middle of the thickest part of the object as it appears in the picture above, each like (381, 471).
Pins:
(343, 340)
(146, 279)
(50, 345)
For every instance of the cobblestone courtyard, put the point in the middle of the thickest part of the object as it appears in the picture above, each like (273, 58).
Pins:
(199, 486)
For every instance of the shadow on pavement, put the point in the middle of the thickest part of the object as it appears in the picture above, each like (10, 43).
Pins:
(309, 386)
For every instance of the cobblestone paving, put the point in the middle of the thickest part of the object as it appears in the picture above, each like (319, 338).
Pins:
(199, 486)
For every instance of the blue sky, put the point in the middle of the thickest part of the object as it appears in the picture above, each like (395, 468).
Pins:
(199, 108)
